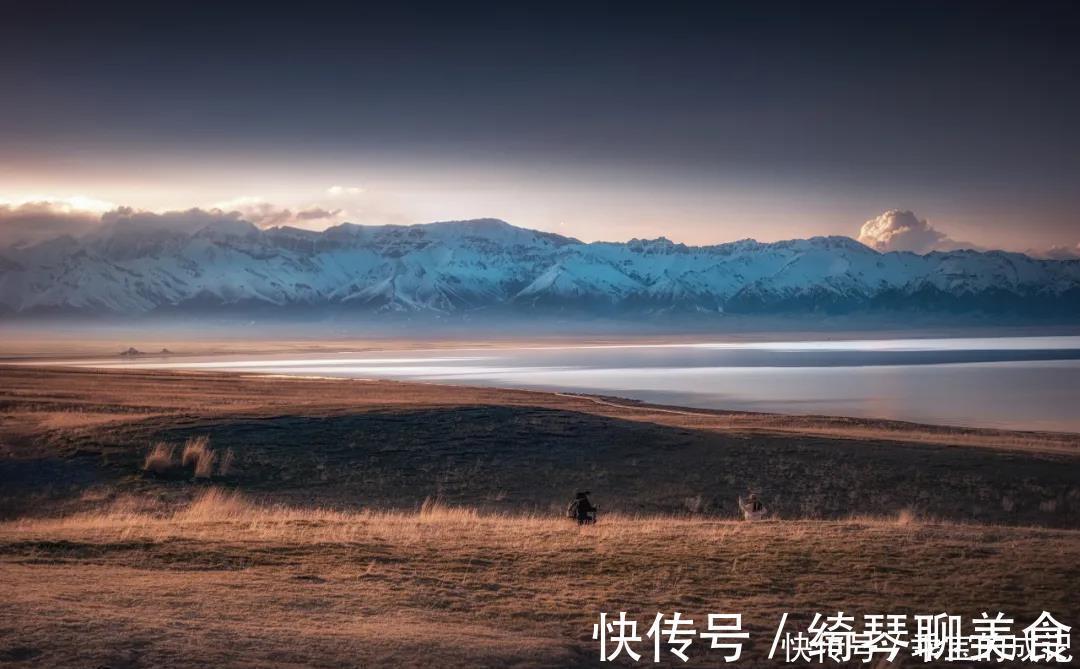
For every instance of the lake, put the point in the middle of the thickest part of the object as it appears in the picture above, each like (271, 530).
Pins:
(1008, 382)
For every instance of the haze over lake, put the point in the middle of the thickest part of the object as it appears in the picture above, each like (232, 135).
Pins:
(1006, 382)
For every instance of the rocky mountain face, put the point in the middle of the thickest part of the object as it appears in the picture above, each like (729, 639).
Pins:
(467, 266)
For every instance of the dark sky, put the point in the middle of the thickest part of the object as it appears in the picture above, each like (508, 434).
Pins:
(952, 106)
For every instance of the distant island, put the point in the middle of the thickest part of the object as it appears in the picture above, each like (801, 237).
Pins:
(131, 351)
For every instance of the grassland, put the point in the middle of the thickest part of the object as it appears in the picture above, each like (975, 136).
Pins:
(68, 436)
(224, 583)
(316, 547)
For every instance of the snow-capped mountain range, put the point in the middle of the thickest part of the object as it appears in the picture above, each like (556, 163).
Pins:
(487, 264)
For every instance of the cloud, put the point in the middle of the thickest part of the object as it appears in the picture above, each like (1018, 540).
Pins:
(67, 203)
(266, 215)
(317, 214)
(344, 190)
(1057, 253)
(236, 203)
(187, 221)
(899, 230)
(32, 222)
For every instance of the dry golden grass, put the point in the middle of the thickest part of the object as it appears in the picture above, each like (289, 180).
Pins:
(198, 455)
(135, 580)
(160, 459)
(73, 419)
(226, 464)
(227, 582)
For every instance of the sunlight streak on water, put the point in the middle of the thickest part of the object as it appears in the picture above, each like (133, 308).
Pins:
(158, 362)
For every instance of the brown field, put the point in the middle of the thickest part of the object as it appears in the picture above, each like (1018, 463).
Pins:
(323, 553)
(226, 584)
(68, 434)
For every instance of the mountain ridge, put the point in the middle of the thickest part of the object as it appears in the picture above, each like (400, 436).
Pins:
(488, 264)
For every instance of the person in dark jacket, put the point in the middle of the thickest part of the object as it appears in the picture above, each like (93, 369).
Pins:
(581, 509)
(752, 508)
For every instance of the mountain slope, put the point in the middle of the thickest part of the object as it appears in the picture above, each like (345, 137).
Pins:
(462, 266)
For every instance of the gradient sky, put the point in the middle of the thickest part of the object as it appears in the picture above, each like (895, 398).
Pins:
(702, 122)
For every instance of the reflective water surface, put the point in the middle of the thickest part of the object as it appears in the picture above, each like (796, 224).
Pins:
(1011, 382)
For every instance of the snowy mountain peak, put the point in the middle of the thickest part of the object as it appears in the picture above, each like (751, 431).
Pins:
(130, 266)
(659, 245)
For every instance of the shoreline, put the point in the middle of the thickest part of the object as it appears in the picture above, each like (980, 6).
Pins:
(1050, 353)
(43, 342)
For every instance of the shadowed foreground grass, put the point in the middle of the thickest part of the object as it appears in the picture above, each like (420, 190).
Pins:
(66, 434)
(222, 582)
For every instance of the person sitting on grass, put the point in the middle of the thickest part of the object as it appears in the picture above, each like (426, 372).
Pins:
(581, 509)
(752, 508)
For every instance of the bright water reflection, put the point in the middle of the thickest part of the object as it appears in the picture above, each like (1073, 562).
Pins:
(1014, 382)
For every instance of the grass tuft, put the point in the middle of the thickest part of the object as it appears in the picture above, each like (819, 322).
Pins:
(907, 518)
(199, 456)
(160, 459)
(216, 505)
(227, 461)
